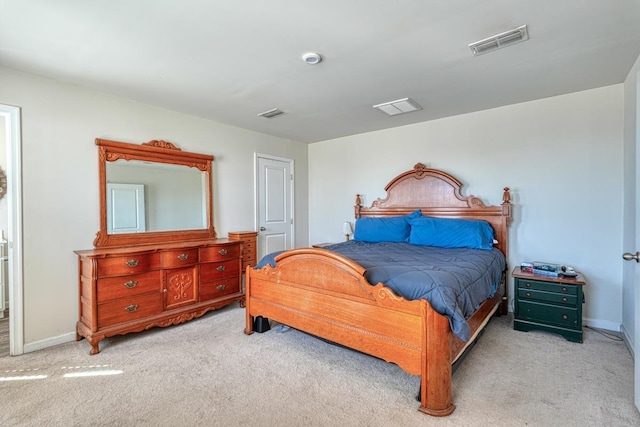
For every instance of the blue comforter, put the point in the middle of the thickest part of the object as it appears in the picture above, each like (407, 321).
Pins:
(454, 281)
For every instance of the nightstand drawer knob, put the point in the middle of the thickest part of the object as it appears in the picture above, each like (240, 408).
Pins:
(564, 299)
(528, 285)
(528, 294)
(565, 317)
(565, 289)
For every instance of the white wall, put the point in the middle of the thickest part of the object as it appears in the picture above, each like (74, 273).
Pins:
(60, 182)
(562, 157)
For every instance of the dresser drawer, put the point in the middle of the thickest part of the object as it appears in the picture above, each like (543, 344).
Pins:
(127, 309)
(248, 246)
(129, 264)
(126, 286)
(216, 270)
(547, 286)
(179, 258)
(550, 314)
(219, 253)
(219, 288)
(551, 297)
(248, 260)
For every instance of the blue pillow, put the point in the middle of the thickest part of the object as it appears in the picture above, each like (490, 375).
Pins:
(392, 229)
(451, 233)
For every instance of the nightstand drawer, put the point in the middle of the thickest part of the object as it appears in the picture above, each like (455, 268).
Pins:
(547, 286)
(541, 296)
(550, 314)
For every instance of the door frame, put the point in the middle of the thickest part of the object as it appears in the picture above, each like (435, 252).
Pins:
(14, 237)
(256, 176)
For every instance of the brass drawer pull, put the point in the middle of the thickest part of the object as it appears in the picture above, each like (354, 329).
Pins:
(222, 251)
(528, 294)
(133, 263)
(564, 289)
(183, 257)
(528, 285)
(220, 268)
(564, 299)
(131, 284)
(565, 317)
(131, 308)
(221, 287)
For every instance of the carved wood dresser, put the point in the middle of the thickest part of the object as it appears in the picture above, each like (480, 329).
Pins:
(131, 289)
(249, 247)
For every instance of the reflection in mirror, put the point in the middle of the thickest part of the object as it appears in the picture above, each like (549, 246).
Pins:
(156, 197)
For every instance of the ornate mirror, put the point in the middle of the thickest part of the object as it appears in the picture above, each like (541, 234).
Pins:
(153, 193)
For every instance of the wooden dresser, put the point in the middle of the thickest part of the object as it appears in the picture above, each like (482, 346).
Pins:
(130, 289)
(249, 247)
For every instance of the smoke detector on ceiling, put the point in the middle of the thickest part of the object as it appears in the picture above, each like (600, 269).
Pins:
(501, 40)
(312, 58)
(399, 106)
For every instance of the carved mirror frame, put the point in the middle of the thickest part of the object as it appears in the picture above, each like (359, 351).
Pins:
(156, 151)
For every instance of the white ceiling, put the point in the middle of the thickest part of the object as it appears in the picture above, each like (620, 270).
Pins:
(228, 60)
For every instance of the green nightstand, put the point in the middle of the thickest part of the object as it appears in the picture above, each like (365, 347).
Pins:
(552, 304)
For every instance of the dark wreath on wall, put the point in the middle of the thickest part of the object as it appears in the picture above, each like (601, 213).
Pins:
(3, 183)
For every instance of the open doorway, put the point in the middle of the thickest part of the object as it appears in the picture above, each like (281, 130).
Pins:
(11, 225)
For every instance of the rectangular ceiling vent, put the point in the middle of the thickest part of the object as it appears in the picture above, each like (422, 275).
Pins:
(501, 40)
(400, 106)
(271, 114)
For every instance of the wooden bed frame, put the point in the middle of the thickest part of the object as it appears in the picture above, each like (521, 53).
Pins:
(325, 294)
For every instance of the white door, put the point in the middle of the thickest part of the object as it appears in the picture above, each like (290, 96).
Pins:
(274, 203)
(635, 256)
(125, 212)
(637, 269)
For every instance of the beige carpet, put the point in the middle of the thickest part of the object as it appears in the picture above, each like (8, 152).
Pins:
(208, 373)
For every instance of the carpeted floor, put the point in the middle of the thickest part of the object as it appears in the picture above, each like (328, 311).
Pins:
(208, 373)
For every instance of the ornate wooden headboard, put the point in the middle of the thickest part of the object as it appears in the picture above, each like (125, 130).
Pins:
(438, 194)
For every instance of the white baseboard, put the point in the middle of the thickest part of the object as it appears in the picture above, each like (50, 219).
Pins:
(49, 342)
(601, 324)
(627, 340)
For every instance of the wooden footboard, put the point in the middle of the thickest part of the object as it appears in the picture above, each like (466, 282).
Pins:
(325, 294)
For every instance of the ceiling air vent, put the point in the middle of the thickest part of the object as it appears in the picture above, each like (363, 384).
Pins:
(400, 106)
(272, 113)
(501, 40)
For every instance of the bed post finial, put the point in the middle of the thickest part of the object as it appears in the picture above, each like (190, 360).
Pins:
(506, 196)
(358, 206)
(506, 205)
